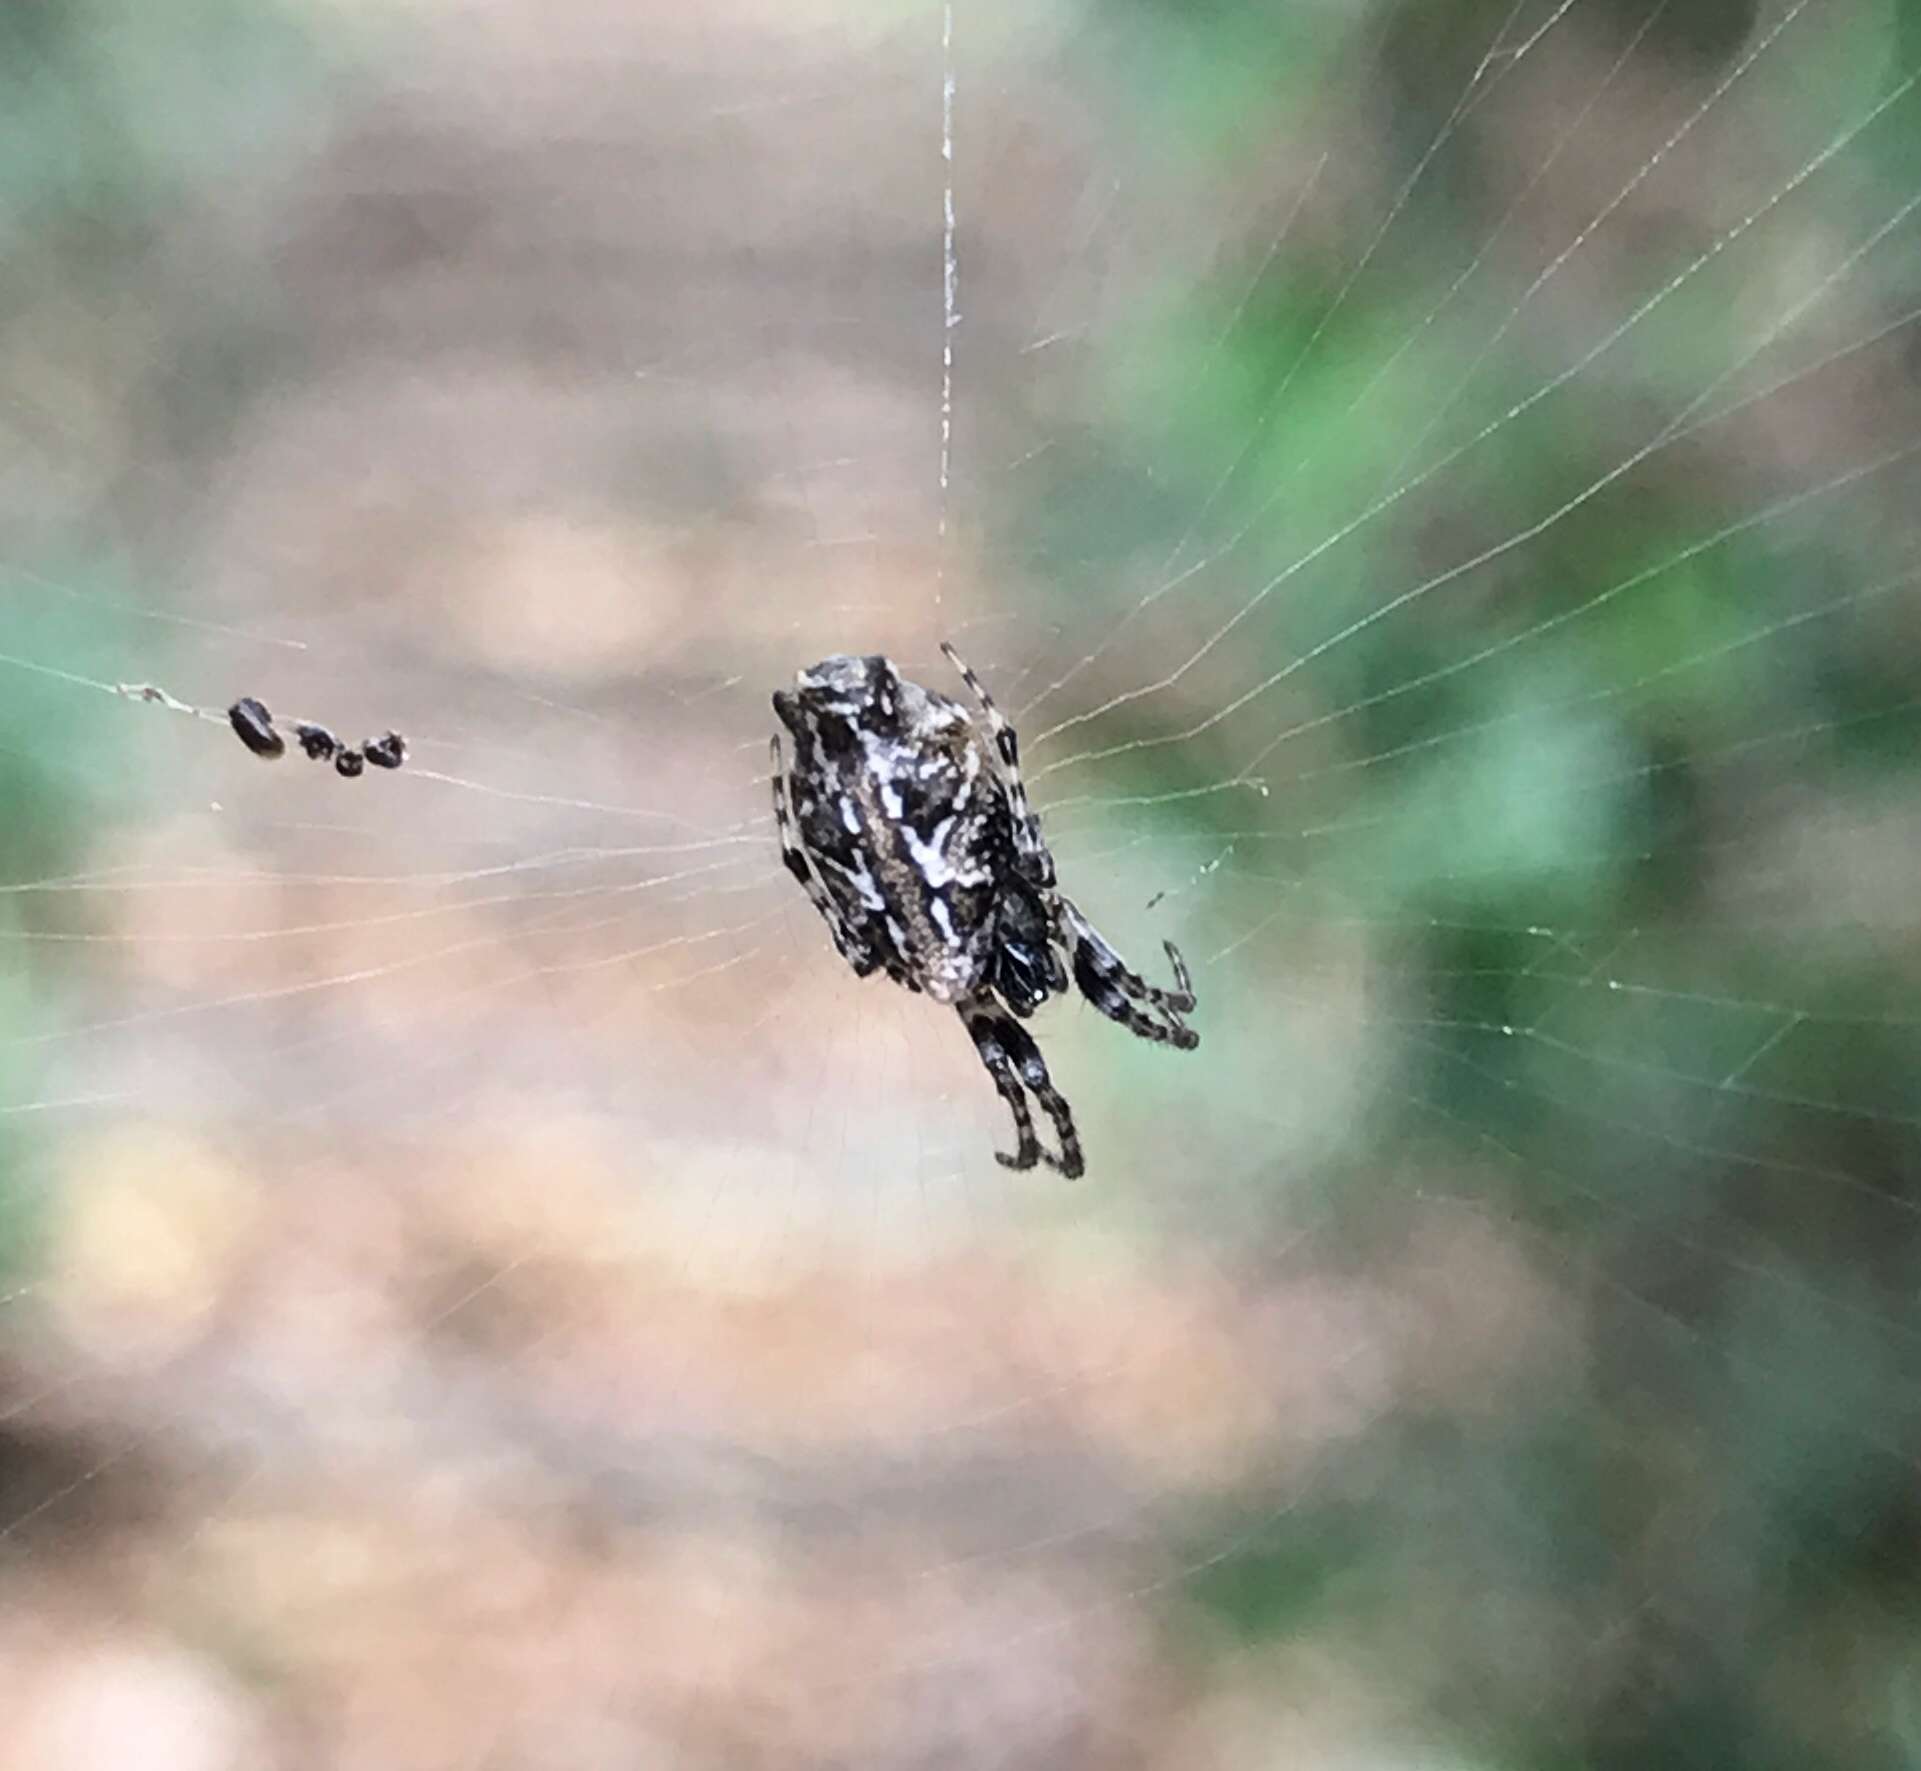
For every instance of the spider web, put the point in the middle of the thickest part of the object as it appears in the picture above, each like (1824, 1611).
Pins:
(484, 1285)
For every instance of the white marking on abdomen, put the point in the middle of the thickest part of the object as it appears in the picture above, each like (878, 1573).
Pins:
(930, 858)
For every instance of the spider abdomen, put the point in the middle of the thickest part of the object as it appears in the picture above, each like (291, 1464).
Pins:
(933, 826)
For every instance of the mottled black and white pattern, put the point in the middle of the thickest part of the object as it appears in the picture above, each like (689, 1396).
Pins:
(916, 844)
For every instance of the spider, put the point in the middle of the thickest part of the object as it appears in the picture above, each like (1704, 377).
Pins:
(926, 862)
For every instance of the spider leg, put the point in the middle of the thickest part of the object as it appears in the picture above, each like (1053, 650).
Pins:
(1014, 1060)
(850, 947)
(1027, 827)
(1025, 969)
(1111, 987)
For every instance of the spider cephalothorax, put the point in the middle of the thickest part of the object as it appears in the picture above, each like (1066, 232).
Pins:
(917, 846)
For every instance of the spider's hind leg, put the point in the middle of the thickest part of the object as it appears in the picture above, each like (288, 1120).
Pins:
(1014, 1060)
(1026, 969)
(1107, 983)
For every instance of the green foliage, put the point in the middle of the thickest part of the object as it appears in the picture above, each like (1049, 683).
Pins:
(1538, 660)
(114, 119)
(109, 111)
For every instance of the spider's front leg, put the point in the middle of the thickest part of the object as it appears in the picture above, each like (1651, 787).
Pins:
(1111, 987)
(850, 946)
(1036, 860)
(1013, 1060)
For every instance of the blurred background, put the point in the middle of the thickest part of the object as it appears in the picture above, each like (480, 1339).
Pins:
(482, 1285)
